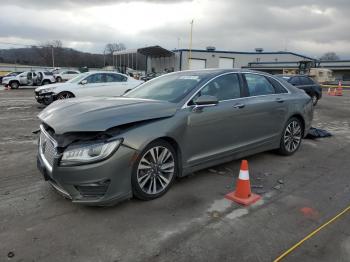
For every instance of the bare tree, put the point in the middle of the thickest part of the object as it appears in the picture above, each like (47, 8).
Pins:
(49, 51)
(329, 56)
(110, 49)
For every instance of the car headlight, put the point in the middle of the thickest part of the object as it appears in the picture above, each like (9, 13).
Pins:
(89, 153)
(47, 90)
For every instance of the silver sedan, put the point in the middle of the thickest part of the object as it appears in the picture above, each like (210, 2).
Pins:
(99, 151)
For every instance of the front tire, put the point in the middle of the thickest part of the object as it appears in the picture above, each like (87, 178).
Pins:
(59, 79)
(64, 95)
(154, 170)
(14, 85)
(291, 137)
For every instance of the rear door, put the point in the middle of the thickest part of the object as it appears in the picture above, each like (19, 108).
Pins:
(116, 84)
(264, 111)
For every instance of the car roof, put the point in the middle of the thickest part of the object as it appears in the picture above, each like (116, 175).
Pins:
(292, 75)
(212, 72)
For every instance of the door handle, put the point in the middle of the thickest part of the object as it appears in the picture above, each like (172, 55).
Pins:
(279, 100)
(238, 106)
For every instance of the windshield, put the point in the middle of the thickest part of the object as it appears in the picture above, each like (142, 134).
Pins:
(171, 88)
(78, 78)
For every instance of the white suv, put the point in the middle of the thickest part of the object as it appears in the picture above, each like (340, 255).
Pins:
(98, 83)
(31, 78)
(66, 75)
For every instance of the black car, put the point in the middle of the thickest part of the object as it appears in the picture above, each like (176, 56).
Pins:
(312, 88)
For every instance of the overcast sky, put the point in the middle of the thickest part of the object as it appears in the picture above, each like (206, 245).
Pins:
(305, 26)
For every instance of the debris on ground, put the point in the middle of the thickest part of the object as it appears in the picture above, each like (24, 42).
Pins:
(317, 133)
(277, 187)
(212, 170)
(267, 174)
(10, 254)
(280, 181)
(257, 186)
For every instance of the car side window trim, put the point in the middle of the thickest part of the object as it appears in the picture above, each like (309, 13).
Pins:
(186, 104)
(288, 92)
(243, 88)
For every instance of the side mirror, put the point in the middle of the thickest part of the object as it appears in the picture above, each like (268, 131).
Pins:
(204, 101)
(83, 82)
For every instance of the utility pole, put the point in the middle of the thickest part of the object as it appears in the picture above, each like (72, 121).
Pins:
(53, 57)
(190, 50)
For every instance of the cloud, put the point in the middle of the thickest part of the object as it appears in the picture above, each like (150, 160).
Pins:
(306, 26)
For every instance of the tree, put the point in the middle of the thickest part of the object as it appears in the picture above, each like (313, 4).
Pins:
(110, 49)
(50, 51)
(329, 56)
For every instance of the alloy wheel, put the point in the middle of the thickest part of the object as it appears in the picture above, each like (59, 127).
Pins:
(292, 136)
(155, 170)
(64, 96)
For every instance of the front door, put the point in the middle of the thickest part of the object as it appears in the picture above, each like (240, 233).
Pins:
(212, 132)
(95, 86)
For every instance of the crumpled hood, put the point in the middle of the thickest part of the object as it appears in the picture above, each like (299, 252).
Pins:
(100, 114)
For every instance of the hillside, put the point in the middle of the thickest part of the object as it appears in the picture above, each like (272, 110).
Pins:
(42, 56)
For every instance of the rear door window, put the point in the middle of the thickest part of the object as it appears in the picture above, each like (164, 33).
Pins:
(115, 78)
(278, 86)
(258, 85)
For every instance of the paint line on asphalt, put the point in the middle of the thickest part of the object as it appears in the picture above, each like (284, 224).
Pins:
(287, 252)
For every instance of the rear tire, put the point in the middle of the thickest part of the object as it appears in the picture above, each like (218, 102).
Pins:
(291, 137)
(14, 85)
(154, 170)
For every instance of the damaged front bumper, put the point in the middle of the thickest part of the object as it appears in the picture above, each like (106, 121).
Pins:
(102, 183)
(45, 98)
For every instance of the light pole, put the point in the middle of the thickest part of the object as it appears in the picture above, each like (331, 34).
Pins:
(190, 50)
(53, 57)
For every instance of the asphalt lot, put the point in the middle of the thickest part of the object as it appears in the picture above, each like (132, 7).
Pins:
(193, 221)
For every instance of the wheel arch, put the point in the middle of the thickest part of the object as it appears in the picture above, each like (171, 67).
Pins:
(14, 80)
(65, 91)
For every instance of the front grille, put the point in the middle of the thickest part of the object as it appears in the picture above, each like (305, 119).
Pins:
(47, 148)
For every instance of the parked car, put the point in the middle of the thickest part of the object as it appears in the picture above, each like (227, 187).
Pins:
(87, 84)
(31, 78)
(102, 150)
(312, 88)
(10, 74)
(150, 76)
(66, 75)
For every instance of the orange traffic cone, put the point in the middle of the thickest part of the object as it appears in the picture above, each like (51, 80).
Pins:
(339, 91)
(243, 194)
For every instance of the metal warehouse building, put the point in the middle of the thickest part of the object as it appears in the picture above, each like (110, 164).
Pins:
(157, 59)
